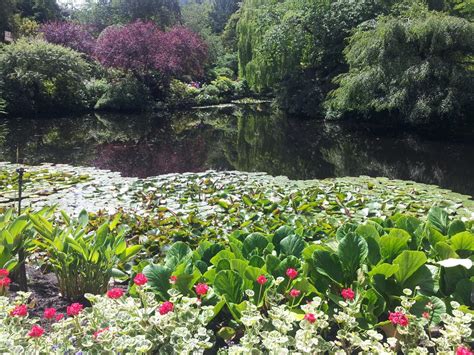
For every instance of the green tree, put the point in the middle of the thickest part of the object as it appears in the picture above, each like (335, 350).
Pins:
(7, 10)
(40, 77)
(221, 12)
(294, 47)
(418, 67)
(40, 10)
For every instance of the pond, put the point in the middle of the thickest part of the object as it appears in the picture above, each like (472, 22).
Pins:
(244, 138)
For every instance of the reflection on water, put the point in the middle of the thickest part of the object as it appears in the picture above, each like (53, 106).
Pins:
(246, 138)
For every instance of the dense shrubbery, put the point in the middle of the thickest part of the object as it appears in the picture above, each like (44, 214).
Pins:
(417, 68)
(414, 63)
(40, 77)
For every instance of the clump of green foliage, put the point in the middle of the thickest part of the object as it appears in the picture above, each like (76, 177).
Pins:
(40, 77)
(417, 67)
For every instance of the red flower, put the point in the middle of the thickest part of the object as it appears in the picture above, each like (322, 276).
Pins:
(5, 282)
(59, 316)
(166, 307)
(20, 311)
(462, 350)
(201, 289)
(291, 273)
(398, 318)
(173, 279)
(74, 309)
(100, 331)
(4, 273)
(50, 313)
(115, 293)
(261, 279)
(347, 294)
(140, 280)
(426, 315)
(36, 331)
(310, 317)
(294, 292)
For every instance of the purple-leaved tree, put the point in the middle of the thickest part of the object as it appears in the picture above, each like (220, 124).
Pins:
(69, 34)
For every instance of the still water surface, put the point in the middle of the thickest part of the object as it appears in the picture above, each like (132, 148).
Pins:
(246, 138)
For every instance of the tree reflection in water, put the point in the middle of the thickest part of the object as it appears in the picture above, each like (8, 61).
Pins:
(247, 138)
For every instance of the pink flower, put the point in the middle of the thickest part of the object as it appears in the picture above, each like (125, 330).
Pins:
(59, 316)
(50, 313)
(36, 331)
(262, 280)
(398, 318)
(115, 293)
(347, 294)
(173, 279)
(4, 273)
(100, 331)
(5, 282)
(291, 273)
(310, 317)
(140, 280)
(426, 315)
(74, 309)
(462, 350)
(294, 292)
(19, 311)
(166, 307)
(201, 289)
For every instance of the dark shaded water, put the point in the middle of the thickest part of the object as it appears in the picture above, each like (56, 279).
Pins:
(247, 139)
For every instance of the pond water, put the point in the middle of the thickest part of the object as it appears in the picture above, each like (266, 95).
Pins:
(245, 138)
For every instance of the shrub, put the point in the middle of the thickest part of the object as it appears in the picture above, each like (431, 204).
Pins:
(181, 94)
(69, 34)
(39, 77)
(125, 93)
(416, 68)
(82, 261)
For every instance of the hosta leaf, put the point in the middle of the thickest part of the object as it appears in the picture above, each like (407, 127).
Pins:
(436, 308)
(254, 243)
(329, 265)
(158, 279)
(384, 269)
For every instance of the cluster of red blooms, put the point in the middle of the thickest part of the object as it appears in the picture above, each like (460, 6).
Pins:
(4, 281)
(348, 294)
(462, 350)
(398, 318)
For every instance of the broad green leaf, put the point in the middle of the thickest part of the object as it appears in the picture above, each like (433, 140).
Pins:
(409, 262)
(438, 218)
(352, 252)
(463, 241)
(83, 218)
(222, 255)
(18, 225)
(445, 251)
(292, 245)
(254, 244)
(437, 308)
(158, 279)
(177, 253)
(229, 284)
(394, 243)
(329, 265)
(426, 277)
(456, 227)
(384, 269)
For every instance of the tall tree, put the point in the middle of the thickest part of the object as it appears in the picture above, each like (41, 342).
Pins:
(220, 13)
(7, 9)
(40, 10)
